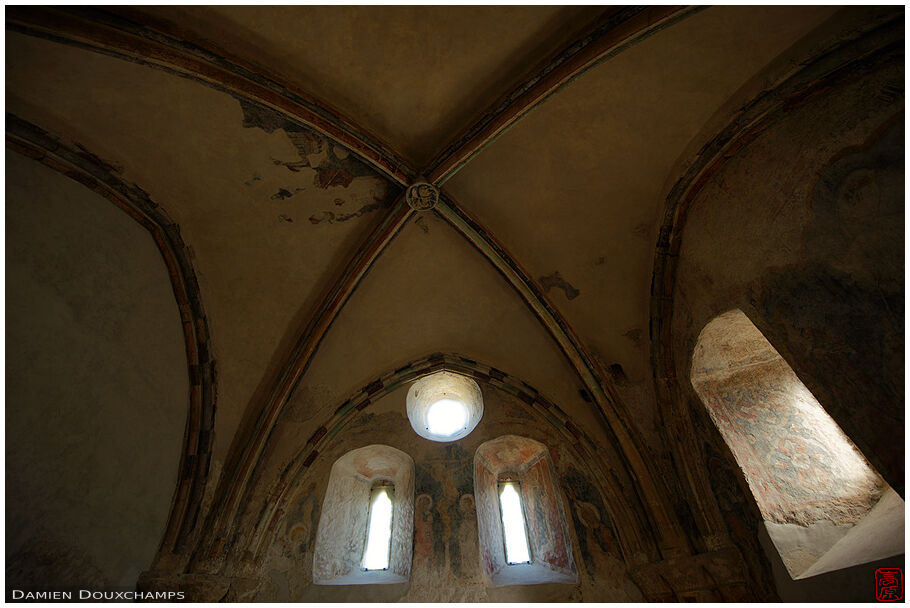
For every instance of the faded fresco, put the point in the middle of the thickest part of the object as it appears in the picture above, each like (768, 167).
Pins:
(812, 240)
(320, 164)
(446, 562)
(853, 281)
(810, 472)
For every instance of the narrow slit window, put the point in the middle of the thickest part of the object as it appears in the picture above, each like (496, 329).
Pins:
(379, 530)
(515, 533)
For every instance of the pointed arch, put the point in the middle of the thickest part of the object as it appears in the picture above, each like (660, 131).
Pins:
(87, 169)
(636, 539)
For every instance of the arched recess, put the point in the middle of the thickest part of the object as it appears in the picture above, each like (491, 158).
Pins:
(88, 170)
(281, 437)
(868, 45)
(344, 522)
(109, 33)
(276, 556)
(95, 388)
(634, 538)
(824, 506)
(223, 533)
(526, 464)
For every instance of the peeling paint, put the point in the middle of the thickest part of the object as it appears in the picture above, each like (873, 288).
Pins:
(618, 374)
(338, 166)
(283, 194)
(331, 217)
(642, 230)
(555, 280)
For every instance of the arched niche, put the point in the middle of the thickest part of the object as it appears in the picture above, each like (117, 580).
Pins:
(824, 506)
(97, 385)
(342, 534)
(528, 462)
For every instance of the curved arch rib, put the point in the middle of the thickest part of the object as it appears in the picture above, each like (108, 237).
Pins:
(793, 88)
(86, 169)
(611, 35)
(636, 541)
(228, 500)
(665, 523)
(106, 33)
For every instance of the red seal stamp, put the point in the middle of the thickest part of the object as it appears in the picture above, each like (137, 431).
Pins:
(889, 584)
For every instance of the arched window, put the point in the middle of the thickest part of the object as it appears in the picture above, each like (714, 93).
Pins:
(520, 519)
(378, 550)
(367, 519)
(824, 506)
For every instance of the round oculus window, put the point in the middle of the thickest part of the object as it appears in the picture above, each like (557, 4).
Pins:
(444, 406)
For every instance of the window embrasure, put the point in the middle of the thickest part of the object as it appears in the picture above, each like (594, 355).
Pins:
(444, 406)
(816, 492)
(521, 525)
(367, 520)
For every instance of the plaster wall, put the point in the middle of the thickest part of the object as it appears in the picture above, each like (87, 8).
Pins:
(96, 387)
(446, 558)
(269, 210)
(450, 299)
(802, 229)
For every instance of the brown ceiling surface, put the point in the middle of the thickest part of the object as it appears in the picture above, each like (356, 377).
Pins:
(411, 75)
(260, 260)
(576, 187)
(429, 292)
(574, 191)
(432, 292)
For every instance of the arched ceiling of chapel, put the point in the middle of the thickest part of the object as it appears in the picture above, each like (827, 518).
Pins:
(430, 292)
(573, 191)
(412, 75)
(242, 197)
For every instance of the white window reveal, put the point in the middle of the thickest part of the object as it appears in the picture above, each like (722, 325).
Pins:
(521, 525)
(379, 530)
(366, 527)
(515, 532)
(444, 406)
(802, 468)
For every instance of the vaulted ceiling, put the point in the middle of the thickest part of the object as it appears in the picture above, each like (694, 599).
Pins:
(280, 142)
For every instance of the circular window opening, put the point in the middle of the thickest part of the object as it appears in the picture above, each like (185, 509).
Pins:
(446, 417)
(444, 406)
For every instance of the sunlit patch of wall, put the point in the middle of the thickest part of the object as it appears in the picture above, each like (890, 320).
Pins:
(810, 481)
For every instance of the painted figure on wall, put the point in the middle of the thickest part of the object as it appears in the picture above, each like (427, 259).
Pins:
(425, 565)
(463, 546)
(302, 522)
(593, 528)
